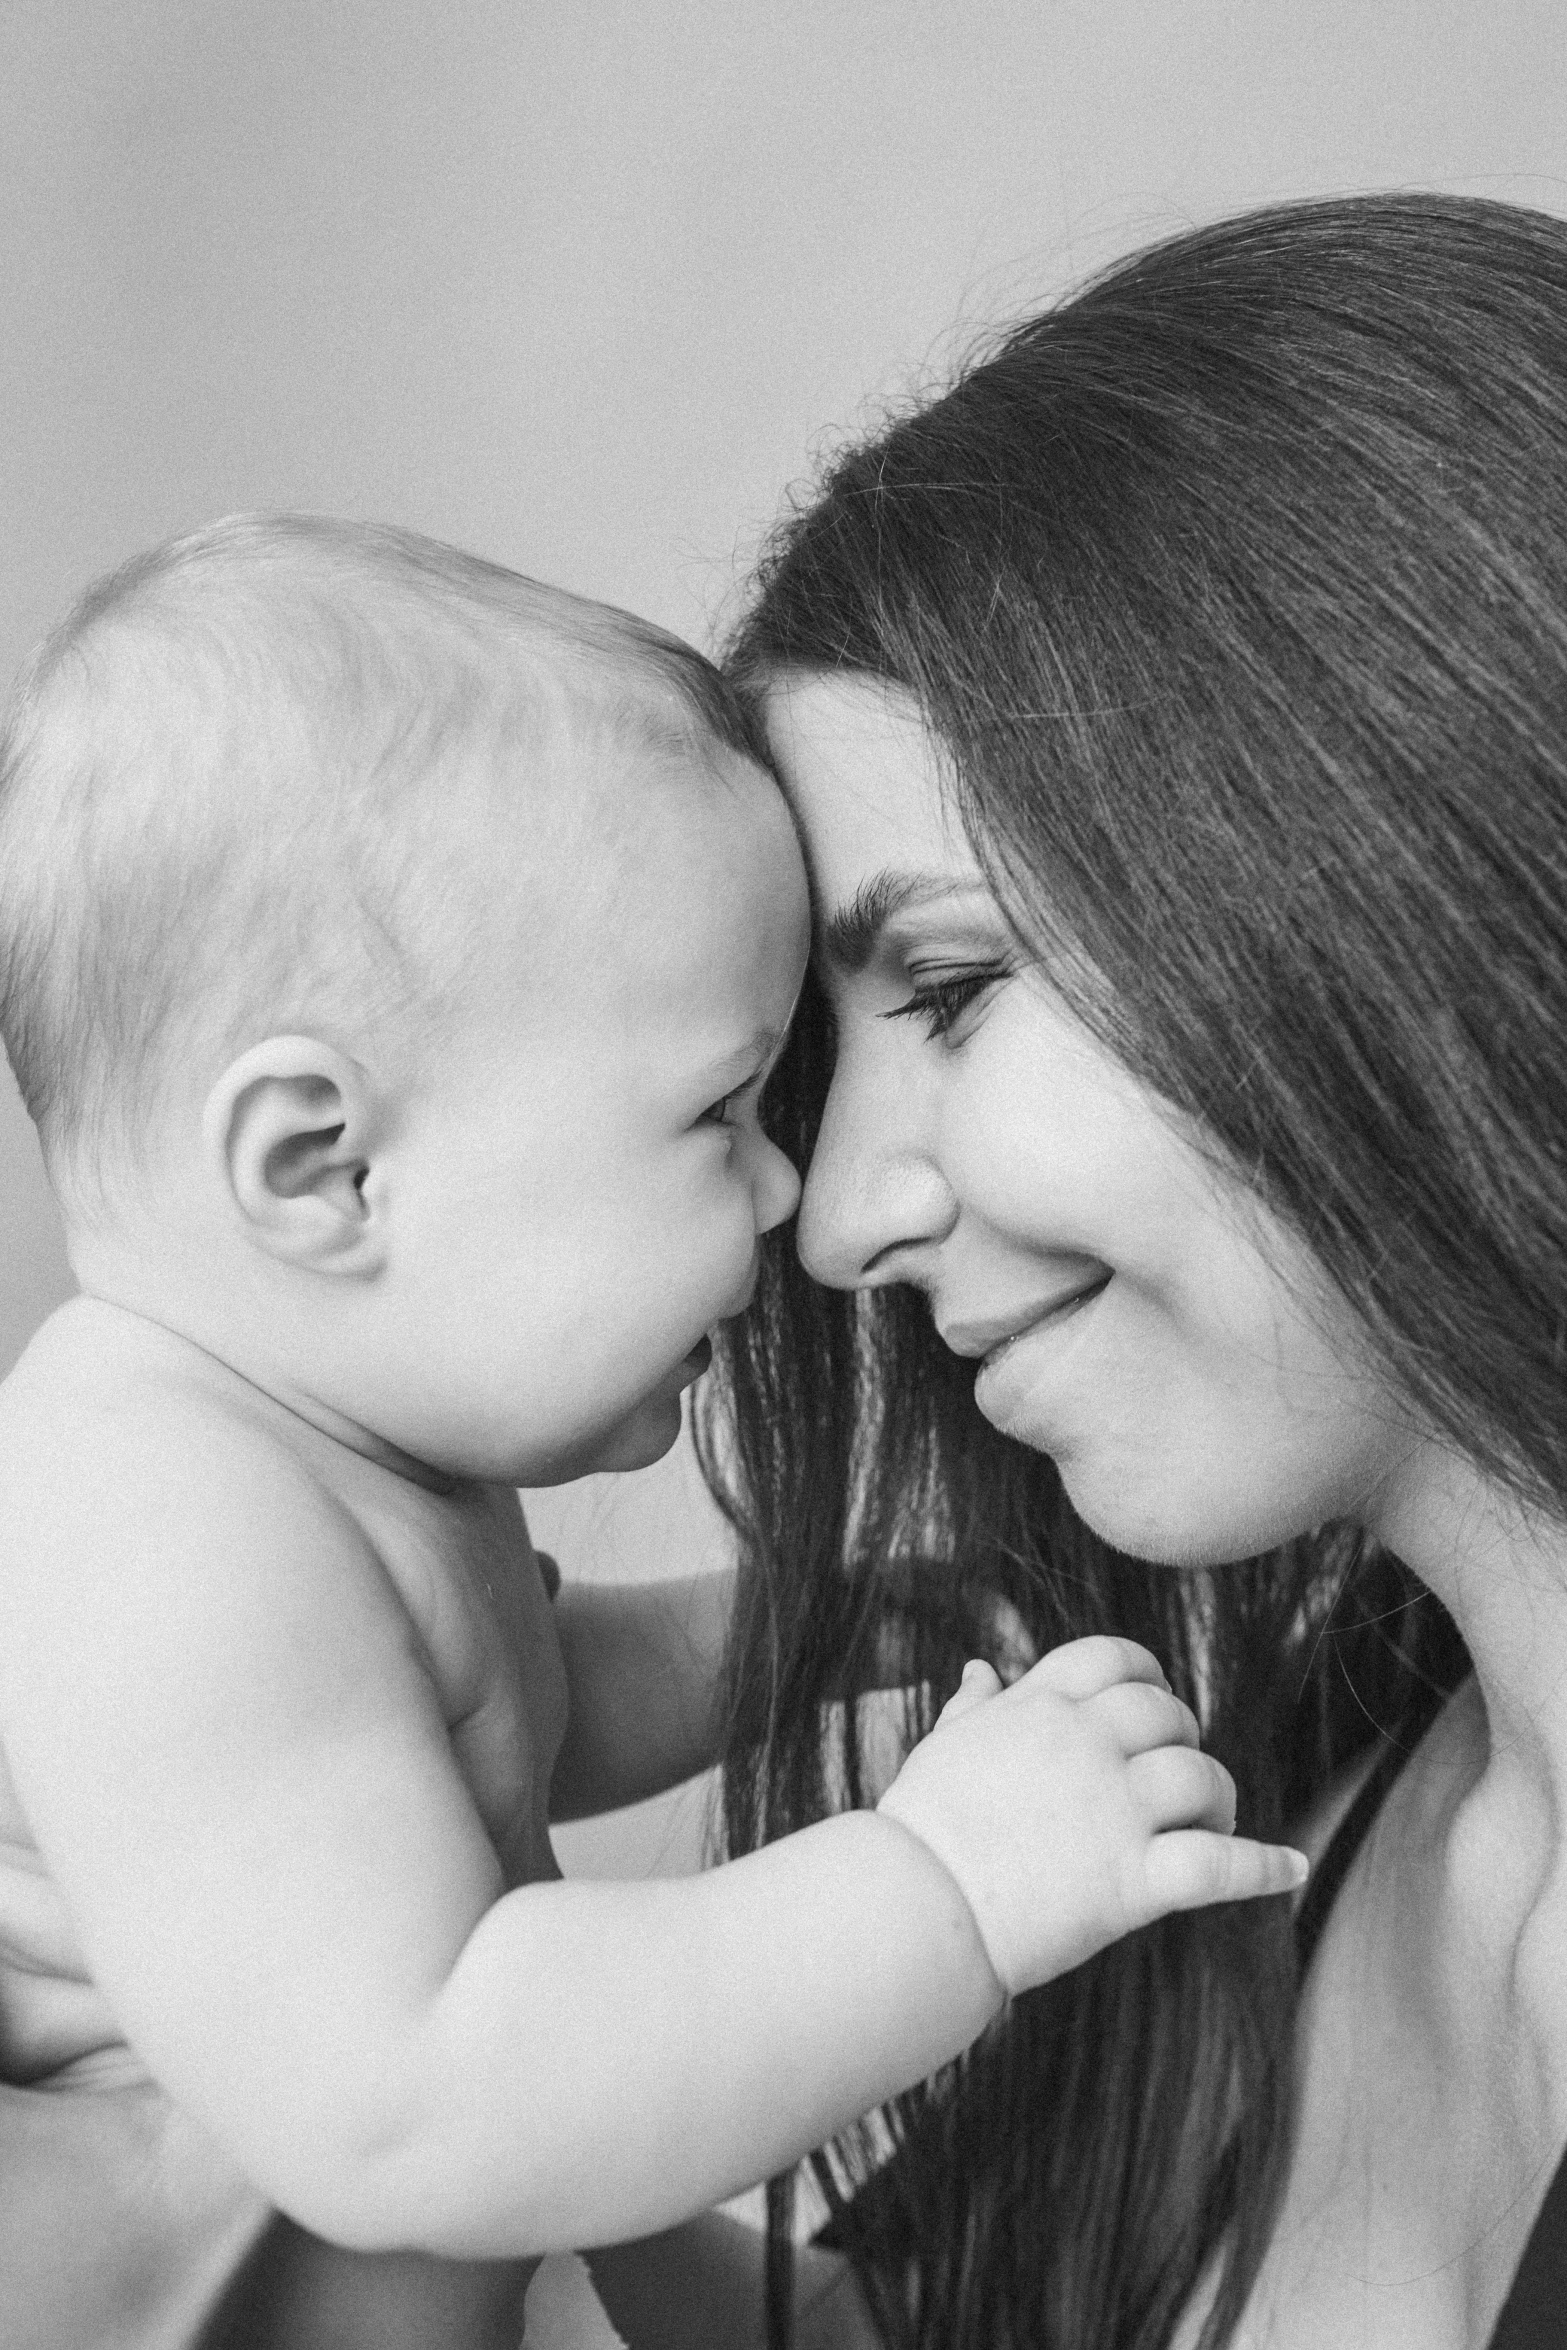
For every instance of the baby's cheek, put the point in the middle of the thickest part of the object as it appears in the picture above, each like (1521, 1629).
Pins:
(722, 1237)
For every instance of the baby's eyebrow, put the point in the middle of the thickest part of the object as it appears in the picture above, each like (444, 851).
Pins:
(847, 936)
(763, 1046)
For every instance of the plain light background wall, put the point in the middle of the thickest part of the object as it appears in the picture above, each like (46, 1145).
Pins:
(586, 286)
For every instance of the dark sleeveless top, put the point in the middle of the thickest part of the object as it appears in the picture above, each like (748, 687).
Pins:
(1534, 2315)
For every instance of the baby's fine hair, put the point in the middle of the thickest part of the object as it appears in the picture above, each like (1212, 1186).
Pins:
(221, 785)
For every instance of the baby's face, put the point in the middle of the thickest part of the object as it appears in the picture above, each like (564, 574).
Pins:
(587, 1181)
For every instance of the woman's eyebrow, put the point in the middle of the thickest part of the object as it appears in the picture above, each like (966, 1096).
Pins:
(848, 935)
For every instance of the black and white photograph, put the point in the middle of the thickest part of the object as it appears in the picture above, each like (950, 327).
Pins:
(783, 1175)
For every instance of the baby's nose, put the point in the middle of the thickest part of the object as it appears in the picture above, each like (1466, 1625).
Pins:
(777, 1188)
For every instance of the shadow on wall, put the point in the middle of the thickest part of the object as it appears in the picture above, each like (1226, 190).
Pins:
(34, 1276)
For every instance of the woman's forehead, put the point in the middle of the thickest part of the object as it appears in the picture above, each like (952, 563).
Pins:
(866, 780)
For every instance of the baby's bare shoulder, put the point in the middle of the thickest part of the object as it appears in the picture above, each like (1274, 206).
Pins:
(113, 1430)
(171, 1572)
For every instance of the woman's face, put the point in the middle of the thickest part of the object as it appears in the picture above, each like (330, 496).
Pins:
(1130, 1311)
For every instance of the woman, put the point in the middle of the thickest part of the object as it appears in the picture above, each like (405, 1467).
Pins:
(1176, 717)
(1175, 714)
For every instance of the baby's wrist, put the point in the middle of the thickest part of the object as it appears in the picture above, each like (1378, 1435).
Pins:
(889, 1814)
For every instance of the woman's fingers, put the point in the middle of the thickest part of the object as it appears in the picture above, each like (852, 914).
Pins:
(1084, 1668)
(1191, 1867)
(1141, 1716)
(1180, 1787)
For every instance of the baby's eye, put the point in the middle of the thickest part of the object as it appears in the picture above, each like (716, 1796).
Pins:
(941, 1003)
(728, 1107)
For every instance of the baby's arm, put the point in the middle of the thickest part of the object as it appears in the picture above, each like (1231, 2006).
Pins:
(643, 1667)
(225, 1734)
(229, 1744)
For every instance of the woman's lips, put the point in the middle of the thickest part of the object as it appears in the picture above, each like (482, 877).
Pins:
(1009, 1375)
(1063, 1312)
(992, 1337)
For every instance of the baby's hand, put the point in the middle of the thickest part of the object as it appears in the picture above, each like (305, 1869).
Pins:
(1075, 1806)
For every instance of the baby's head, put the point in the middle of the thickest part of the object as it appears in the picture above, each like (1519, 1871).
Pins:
(391, 953)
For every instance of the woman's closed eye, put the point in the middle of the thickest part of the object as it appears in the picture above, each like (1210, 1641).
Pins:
(941, 1000)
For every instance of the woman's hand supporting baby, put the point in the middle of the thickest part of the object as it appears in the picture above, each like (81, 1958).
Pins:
(1123, 1817)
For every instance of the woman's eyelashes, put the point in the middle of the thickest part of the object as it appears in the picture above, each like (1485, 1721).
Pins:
(941, 1000)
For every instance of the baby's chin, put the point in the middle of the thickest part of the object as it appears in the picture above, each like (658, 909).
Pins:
(649, 1430)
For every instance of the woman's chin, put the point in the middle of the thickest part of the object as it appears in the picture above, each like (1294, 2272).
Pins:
(1136, 1533)
(1172, 1503)
(1172, 1529)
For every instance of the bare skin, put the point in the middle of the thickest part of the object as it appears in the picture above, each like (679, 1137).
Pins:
(1433, 2033)
(281, 1694)
(1205, 1399)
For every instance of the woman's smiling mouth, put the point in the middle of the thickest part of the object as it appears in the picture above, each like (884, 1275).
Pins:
(1017, 1358)
(994, 1336)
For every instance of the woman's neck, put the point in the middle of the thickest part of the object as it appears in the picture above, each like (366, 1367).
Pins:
(1501, 1572)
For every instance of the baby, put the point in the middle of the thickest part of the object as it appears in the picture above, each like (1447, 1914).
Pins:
(392, 954)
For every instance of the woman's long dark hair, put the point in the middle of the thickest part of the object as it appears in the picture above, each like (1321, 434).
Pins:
(1236, 590)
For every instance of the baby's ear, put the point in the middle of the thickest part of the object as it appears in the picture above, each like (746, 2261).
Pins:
(288, 1129)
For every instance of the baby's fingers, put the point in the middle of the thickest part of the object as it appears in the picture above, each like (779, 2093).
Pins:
(1142, 1717)
(1082, 1668)
(980, 1682)
(1190, 1867)
(1181, 1787)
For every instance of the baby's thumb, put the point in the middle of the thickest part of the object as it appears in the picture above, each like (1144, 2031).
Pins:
(980, 1682)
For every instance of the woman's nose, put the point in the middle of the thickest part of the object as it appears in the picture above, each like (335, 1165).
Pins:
(875, 1199)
